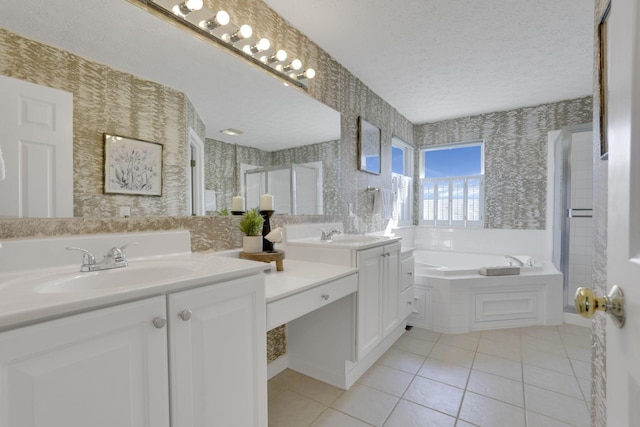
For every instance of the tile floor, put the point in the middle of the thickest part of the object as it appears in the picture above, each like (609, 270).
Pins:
(533, 377)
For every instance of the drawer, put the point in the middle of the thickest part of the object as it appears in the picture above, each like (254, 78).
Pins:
(406, 303)
(407, 273)
(286, 309)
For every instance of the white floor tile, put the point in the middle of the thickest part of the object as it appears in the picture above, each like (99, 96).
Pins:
(557, 406)
(505, 349)
(414, 345)
(554, 381)
(543, 359)
(537, 420)
(367, 404)
(466, 341)
(400, 359)
(316, 390)
(453, 355)
(333, 418)
(423, 334)
(487, 412)
(408, 414)
(444, 372)
(496, 387)
(434, 395)
(389, 380)
(289, 409)
(498, 366)
(581, 369)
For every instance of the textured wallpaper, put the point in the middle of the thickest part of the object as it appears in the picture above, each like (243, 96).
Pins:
(515, 147)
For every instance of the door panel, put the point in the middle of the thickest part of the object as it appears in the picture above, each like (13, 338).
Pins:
(623, 260)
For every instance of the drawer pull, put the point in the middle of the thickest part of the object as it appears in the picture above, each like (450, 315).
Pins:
(325, 297)
(410, 302)
(410, 273)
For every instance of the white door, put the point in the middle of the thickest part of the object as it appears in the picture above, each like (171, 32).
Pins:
(36, 138)
(103, 368)
(623, 269)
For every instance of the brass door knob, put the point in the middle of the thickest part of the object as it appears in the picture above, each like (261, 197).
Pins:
(587, 304)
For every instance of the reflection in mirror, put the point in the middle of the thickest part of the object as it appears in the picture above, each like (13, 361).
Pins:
(369, 146)
(297, 188)
(113, 60)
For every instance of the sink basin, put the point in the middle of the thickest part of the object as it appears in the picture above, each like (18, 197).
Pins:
(137, 274)
(345, 240)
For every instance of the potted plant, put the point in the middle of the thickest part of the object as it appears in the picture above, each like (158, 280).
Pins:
(251, 226)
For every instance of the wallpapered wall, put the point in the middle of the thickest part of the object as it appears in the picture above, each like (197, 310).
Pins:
(515, 148)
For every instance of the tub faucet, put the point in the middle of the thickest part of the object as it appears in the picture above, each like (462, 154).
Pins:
(330, 234)
(513, 259)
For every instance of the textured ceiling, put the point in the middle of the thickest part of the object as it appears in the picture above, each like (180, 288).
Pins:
(440, 59)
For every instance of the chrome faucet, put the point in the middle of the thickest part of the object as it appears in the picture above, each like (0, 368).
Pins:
(513, 259)
(330, 234)
(115, 258)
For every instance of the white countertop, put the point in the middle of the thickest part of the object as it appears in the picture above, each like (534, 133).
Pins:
(299, 276)
(22, 306)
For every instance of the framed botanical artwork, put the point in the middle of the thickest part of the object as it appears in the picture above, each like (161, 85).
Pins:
(369, 146)
(132, 166)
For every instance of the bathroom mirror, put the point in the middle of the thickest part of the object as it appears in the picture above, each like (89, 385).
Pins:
(224, 91)
(369, 146)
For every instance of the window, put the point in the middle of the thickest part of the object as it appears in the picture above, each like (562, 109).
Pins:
(453, 185)
(402, 181)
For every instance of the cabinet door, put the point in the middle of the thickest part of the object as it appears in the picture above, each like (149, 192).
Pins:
(218, 355)
(104, 368)
(391, 288)
(370, 278)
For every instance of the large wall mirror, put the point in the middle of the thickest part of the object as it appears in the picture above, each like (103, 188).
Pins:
(141, 77)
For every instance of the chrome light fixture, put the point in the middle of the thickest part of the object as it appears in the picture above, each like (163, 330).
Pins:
(239, 40)
(220, 19)
(187, 6)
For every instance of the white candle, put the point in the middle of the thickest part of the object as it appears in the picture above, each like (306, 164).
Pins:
(266, 202)
(237, 204)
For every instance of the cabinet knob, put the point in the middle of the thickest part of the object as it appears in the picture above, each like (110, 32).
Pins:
(410, 273)
(160, 322)
(388, 254)
(410, 302)
(185, 315)
(325, 297)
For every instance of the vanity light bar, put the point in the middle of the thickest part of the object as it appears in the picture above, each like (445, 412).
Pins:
(217, 28)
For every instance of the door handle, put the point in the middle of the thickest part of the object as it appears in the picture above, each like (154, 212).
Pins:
(587, 304)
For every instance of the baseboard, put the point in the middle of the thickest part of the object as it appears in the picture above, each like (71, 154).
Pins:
(576, 319)
(277, 366)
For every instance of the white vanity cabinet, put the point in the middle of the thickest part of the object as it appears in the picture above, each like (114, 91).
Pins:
(110, 367)
(407, 284)
(378, 295)
(217, 337)
(103, 368)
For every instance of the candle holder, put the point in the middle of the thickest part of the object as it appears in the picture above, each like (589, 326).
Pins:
(267, 246)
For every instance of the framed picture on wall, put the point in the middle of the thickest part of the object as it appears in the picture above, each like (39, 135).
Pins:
(602, 81)
(369, 146)
(132, 166)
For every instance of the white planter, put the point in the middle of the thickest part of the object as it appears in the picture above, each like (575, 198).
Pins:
(252, 244)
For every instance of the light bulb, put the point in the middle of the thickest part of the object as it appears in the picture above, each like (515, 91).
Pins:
(219, 20)
(309, 73)
(294, 65)
(262, 45)
(279, 56)
(187, 6)
(244, 32)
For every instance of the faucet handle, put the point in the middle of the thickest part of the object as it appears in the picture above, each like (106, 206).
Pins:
(118, 254)
(87, 257)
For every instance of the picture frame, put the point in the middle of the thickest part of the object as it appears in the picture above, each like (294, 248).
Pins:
(369, 147)
(603, 69)
(132, 166)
